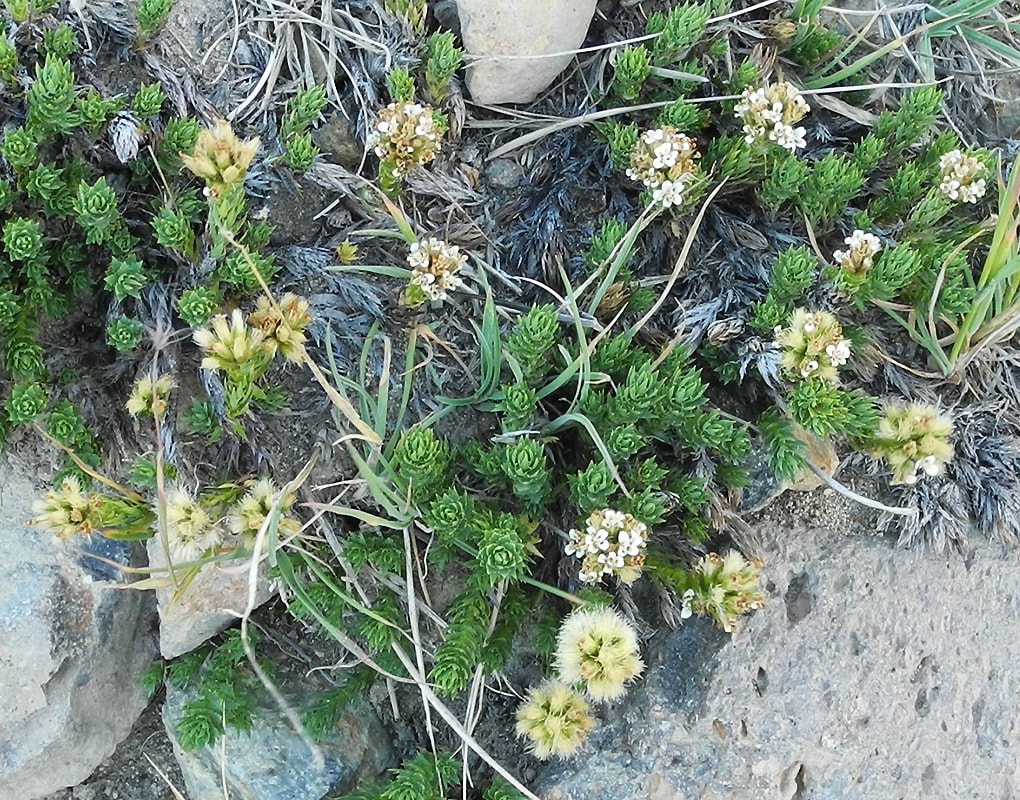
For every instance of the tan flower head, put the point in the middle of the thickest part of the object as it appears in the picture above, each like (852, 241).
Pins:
(770, 113)
(665, 161)
(913, 440)
(404, 136)
(434, 267)
(612, 543)
(219, 156)
(555, 718)
(148, 397)
(599, 648)
(961, 177)
(251, 511)
(283, 325)
(231, 345)
(724, 587)
(191, 531)
(812, 346)
(68, 510)
(856, 261)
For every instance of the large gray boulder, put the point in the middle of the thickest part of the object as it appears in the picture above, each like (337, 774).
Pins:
(272, 760)
(515, 50)
(71, 649)
(874, 672)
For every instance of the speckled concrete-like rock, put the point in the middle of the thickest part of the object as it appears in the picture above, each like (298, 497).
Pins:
(526, 33)
(873, 673)
(71, 650)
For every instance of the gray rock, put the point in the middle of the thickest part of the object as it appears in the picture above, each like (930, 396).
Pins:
(873, 672)
(210, 602)
(71, 649)
(272, 761)
(534, 36)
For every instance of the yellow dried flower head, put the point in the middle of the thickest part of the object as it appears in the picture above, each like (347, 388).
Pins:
(599, 648)
(283, 325)
(191, 531)
(404, 136)
(68, 510)
(347, 252)
(960, 179)
(724, 588)
(434, 267)
(232, 345)
(150, 397)
(219, 156)
(857, 260)
(913, 440)
(251, 511)
(812, 346)
(665, 161)
(555, 718)
(611, 543)
(770, 113)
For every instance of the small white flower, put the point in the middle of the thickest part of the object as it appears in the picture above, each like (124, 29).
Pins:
(686, 611)
(838, 353)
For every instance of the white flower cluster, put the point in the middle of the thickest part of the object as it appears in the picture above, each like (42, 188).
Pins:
(960, 179)
(861, 252)
(770, 113)
(665, 161)
(434, 266)
(611, 543)
(405, 135)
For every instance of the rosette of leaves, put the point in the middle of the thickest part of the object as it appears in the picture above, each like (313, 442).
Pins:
(464, 638)
(529, 343)
(96, 209)
(148, 100)
(125, 277)
(23, 239)
(518, 406)
(197, 305)
(26, 402)
(173, 229)
(423, 462)
(525, 464)
(450, 516)
(442, 60)
(303, 110)
(502, 550)
(50, 97)
(150, 15)
(20, 148)
(22, 355)
(124, 333)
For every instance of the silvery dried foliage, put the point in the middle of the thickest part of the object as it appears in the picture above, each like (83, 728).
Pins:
(980, 488)
(986, 466)
(109, 18)
(125, 136)
(939, 521)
